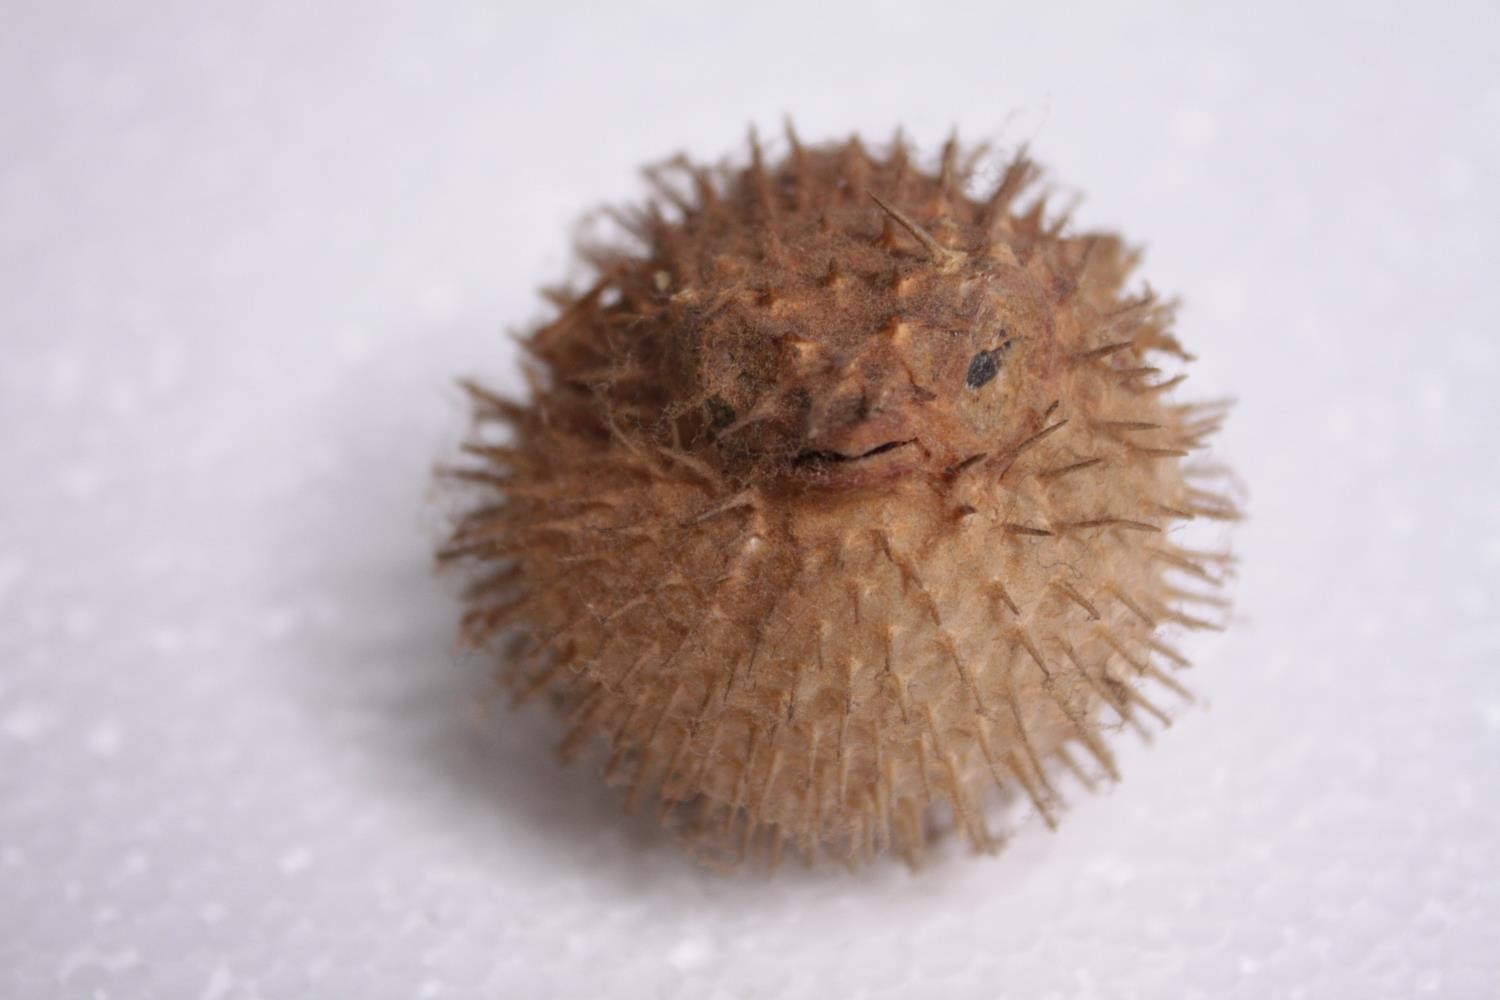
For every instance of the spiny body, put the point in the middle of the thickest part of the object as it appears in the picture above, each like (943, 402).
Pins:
(842, 497)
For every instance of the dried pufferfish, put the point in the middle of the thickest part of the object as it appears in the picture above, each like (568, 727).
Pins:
(842, 497)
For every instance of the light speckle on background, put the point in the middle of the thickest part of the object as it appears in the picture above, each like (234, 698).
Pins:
(105, 738)
(28, 722)
(245, 251)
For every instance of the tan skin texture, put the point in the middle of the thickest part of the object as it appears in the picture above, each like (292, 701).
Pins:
(842, 497)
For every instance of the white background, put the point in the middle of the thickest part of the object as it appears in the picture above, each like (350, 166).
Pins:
(243, 253)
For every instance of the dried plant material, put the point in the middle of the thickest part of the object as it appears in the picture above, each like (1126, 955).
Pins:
(843, 497)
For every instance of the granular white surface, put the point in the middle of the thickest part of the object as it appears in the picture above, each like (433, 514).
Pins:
(242, 253)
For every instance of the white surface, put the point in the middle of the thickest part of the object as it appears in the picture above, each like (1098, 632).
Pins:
(243, 253)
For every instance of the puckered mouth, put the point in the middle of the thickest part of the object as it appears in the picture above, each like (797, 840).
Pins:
(817, 458)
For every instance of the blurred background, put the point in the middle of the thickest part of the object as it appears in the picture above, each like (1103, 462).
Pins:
(244, 251)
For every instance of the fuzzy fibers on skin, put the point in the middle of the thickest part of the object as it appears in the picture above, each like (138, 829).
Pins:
(843, 498)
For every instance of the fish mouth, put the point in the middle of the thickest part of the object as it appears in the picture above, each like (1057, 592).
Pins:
(818, 458)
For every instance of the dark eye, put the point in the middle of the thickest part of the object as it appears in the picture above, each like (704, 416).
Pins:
(720, 413)
(985, 366)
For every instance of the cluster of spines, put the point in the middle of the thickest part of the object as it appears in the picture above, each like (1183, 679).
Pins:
(633, 725)
(692, 252)
(504, 601)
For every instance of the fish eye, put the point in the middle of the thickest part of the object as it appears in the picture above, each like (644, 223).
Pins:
(720, 413)
(984, 367)
(986, 364)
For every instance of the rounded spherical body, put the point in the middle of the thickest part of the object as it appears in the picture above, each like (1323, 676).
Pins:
(843, 496)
